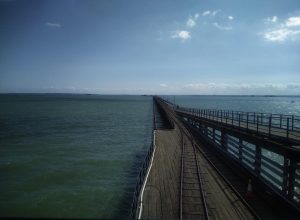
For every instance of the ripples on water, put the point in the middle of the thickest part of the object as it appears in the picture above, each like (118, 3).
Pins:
(71, 155)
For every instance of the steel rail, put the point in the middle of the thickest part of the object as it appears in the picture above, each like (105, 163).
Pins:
(200, 181)
(201, 185)
(227, 181)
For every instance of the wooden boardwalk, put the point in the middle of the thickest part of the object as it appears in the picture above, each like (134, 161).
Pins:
(179, 176)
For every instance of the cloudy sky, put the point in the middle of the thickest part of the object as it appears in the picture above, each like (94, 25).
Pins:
(150, 47)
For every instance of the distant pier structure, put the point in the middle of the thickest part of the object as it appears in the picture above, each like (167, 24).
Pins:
(213, 164)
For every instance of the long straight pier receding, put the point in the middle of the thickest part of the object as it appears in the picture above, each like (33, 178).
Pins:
(202, 168)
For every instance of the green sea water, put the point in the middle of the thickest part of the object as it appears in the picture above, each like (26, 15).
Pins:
(71, 156)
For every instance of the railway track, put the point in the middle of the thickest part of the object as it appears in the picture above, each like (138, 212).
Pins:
(193, 202)
(199, 177)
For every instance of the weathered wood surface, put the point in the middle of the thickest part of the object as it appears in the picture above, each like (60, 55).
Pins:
(161, 198)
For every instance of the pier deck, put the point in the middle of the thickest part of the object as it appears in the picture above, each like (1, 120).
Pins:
(199, 167)
(178, 177)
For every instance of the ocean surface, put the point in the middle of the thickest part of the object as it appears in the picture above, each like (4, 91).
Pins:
(71, 155)
(78, 156)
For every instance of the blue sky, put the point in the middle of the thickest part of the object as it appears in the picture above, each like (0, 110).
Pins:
(150, 47)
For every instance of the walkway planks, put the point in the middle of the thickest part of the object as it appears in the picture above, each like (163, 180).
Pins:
(161, 197)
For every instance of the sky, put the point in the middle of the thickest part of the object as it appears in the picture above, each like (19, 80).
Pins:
(204, 47)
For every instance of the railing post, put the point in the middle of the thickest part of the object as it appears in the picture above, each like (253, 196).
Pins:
(223, 140)
(257, 161)
(285, 177)
(280, 121)
(257, 124)
(247, 119)
(291, 179)
(292, 122)
(270, 123)
(287, 127)
(239, 120)
(221, 116)
(232, 117)
(240, 149)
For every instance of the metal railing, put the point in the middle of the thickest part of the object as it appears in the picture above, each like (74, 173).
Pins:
(143, 171)
(276, 125)
(140, 182)
(279, 170)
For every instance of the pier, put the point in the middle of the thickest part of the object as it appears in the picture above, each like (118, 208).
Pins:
(212, 164)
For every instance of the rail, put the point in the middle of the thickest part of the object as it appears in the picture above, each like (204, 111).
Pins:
(142, 174)
(191, 157)
(282, 126)
(277, 169)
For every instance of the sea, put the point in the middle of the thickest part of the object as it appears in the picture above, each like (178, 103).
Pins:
(78, 155)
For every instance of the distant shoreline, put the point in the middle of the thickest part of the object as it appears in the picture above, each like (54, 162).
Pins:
(93, 94)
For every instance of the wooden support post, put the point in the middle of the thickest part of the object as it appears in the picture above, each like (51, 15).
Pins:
(291, 180)
(257, 161)
(285, 176)
(223, 140)
(240, 149)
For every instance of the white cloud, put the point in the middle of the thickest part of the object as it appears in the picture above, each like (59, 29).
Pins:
(190, 23)
(163, 85)
(211, 13)
(215, 12)
(293, 22)
(196, 16)
(206, 13)
(223, 28)
(281, 35)
(54, 25)
(230, 17)
(183, 35)
(273, 19)
(286, 30)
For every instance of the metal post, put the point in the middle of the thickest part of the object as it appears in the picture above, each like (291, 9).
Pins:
(285, 181)
(270, 122)
(247, 119)
(239, 120)
(232, 118)
(257, 124)
(257, 159)
(221, 116)
(240, 149)
(223, 140)
(292, 122)
(287, 128)
(291, 180)
(280, 121)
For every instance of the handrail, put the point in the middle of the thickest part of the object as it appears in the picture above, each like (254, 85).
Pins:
(143, 171)
(273, 125)
(282, 176)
